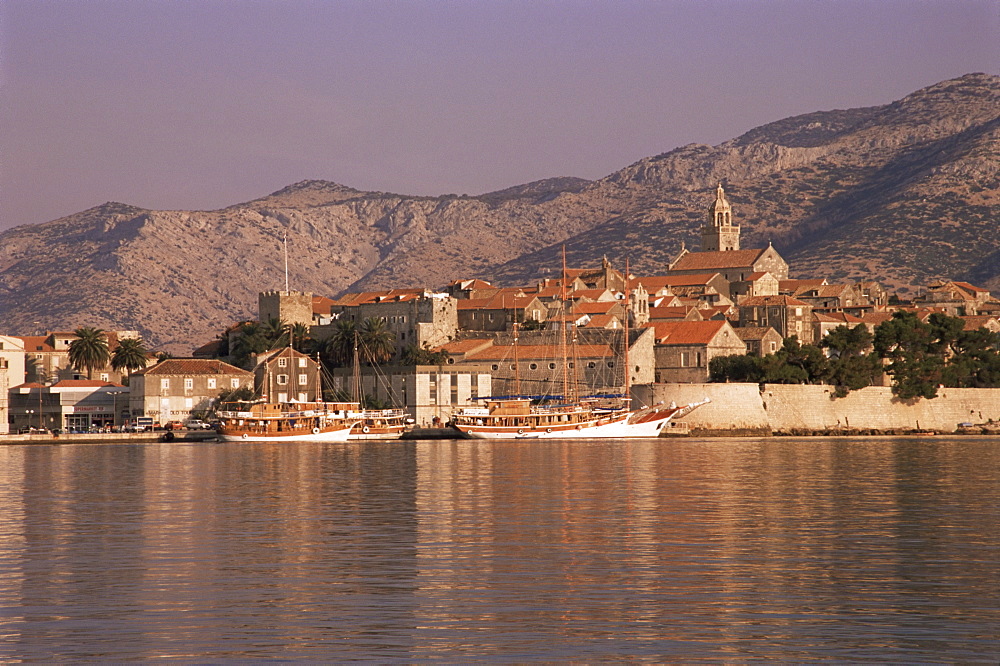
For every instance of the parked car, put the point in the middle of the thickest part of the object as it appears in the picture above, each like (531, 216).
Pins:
(198, 424)
(173, 425)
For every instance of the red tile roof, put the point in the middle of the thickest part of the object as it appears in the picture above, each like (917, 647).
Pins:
(773, 300)
(83, 383)
(705, 261)
(539, 352)
(655, 283)
(192, 366)
(687, 332)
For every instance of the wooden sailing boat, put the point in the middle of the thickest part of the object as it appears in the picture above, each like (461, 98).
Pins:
(372, 423)
(588, 418)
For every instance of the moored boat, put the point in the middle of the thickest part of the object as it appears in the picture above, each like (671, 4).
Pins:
(517, 418)
(378, 424)
(291, 421)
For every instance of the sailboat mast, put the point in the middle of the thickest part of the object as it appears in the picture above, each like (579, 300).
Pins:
(356, 374)
(628, 308)
(285, 243)
(565, 323)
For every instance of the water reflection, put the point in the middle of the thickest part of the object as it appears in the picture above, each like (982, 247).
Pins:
(721, 549)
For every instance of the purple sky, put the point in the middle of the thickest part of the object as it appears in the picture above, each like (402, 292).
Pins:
(198, 105)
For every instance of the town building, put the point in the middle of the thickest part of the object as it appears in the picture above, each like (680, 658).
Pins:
(760, 340)
(429, 393)
(179, 389)
(788, 316)
(684, 349)
(414, 316)
(284, 375)
(68, 405)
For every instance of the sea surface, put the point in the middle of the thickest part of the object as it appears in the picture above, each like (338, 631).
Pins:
(734, 550)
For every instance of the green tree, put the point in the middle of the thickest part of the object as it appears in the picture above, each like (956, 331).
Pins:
(850, 367)
(301, 340)
(736, 368)
(914, 354)
(378, 343)
(89, 351)
(129, 355)
(275, 331)
(251, 340)
(414, 355)
(338, 349)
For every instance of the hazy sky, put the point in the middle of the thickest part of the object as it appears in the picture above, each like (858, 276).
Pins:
(198, 104)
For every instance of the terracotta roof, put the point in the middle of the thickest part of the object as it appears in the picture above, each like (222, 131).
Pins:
(657, 282)
(773, 300)
(754, 332)
(792, 285)
(321, 304)
(604, 321)
(594, 307)
(686, 332)
(704, 261)
(667, 312)
(539, 352)
(976, 322)
(192, 366)
(474, 283)
(842, 317)
(35, 343)
(594, 294)
(465, 346)
(500, 301)
(970, 287)
(84, 383)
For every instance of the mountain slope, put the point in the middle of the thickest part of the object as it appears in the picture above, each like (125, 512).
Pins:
(900, 193)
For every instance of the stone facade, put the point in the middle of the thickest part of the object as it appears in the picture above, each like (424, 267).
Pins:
(422, 319)
(685, 348)
(174, 388)
(787, 315)
(291, 307)
(426, 392)
(286, 374)
(720, 234)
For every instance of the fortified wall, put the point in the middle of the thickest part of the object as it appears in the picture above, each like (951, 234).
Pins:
(748, 409)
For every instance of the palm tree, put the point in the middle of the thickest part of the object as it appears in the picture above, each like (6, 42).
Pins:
(378, 343)
(89, 351)
(275, 330)
(129, 355)
(250, 341)
(338, 349)
(300, 338)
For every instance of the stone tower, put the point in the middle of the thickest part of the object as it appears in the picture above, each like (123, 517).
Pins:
(720, 234)
(292, 307)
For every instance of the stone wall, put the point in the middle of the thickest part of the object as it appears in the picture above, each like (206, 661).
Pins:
(744, 408)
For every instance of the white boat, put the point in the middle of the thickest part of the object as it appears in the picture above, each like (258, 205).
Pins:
(517, 418)
(293, 421)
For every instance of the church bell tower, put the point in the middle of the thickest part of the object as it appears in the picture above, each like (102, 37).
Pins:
(720, 234)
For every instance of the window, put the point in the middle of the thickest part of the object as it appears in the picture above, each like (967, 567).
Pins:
(302, 362)
(188, 383)
(552, 366)
(591, 364)
(303, 380)
(234, 383)
(104, 377)
(495, 367)
(685, 359)
(532, 366)
(211, 382)
(282, 380)
(282, 362)
(164, 382)
(611, 364)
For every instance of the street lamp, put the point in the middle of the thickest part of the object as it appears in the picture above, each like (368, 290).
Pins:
(27, 414)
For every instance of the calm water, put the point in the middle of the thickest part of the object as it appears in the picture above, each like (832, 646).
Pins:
(845, 550)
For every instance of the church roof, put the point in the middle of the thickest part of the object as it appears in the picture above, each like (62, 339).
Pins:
(711, 261)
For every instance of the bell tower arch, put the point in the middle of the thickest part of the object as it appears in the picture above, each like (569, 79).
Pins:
(720, 234)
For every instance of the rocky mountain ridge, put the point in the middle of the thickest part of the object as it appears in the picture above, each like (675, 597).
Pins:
(901, 193)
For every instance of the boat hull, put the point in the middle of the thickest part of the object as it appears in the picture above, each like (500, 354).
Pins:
(339, 434)
(616, 429)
